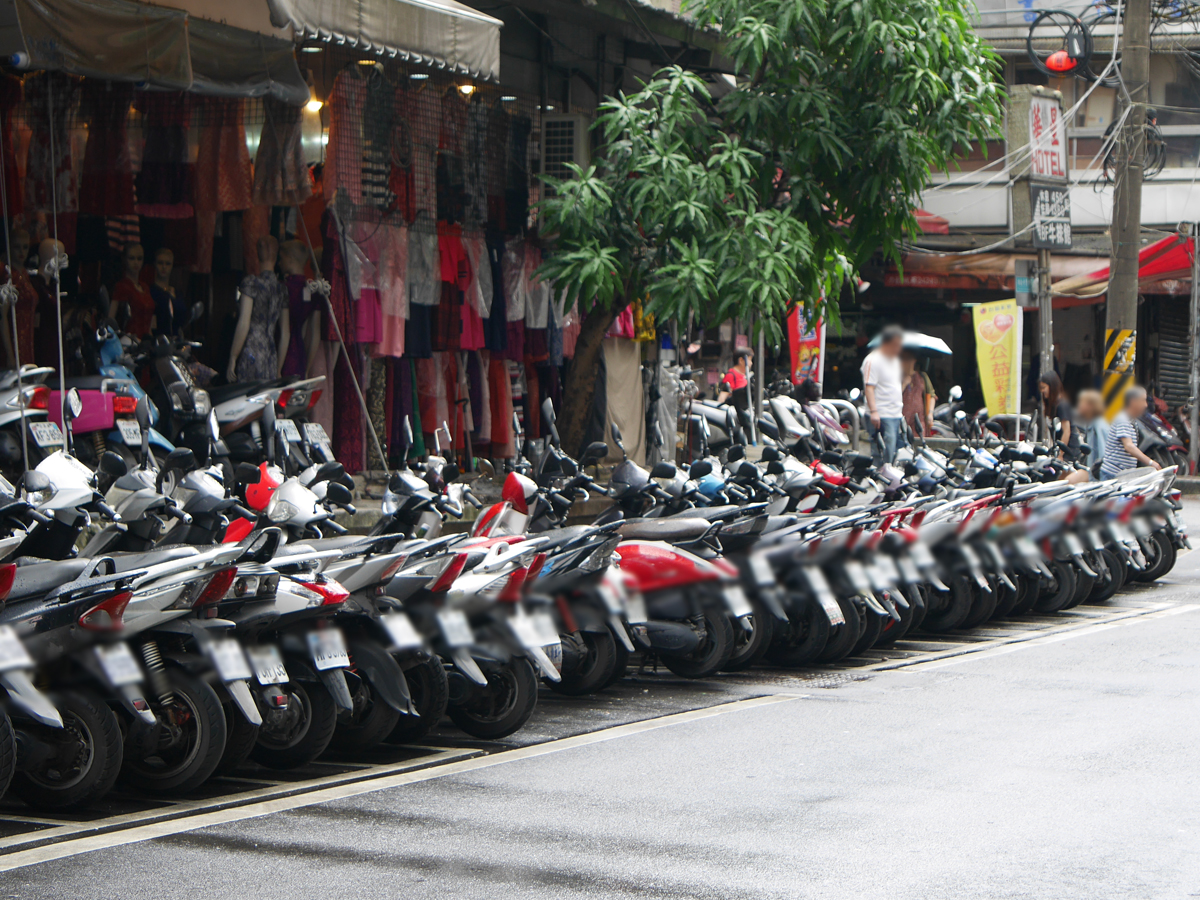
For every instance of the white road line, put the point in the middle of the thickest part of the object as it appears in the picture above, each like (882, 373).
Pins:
(1048, 639)
(65, 849)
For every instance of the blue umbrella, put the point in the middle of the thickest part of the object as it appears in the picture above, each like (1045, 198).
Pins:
(919, 343)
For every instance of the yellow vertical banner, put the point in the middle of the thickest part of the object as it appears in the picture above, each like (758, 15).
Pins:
(998, 350)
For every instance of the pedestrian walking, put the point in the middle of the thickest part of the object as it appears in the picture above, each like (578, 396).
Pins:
(883, 388)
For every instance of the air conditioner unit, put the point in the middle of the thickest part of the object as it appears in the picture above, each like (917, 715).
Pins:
(565, 140)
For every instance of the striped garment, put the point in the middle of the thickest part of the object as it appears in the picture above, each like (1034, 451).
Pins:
(1116, 459)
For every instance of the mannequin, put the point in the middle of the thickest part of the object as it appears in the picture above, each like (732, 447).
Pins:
(45, 334)
(169, 314)
(304, 314)
(263, 305)
(27, 301)
(131, 290)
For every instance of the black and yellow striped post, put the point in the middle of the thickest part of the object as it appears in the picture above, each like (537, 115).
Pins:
(1120, 350)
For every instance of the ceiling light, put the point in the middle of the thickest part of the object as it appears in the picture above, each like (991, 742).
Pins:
(467, 89)
(418, 76)
(508, 99)
(366, 62)
(311, 49)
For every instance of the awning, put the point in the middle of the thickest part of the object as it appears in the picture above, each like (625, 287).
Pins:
(981, 272)
(932, 224)
(439, 33)
(150, 45)
(1164, 264)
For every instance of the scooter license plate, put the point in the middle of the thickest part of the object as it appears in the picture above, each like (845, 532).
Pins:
(328, 649)
(922, 556)
(268, 665)
(400, 630)
(289, 430)
(131, 432)
(735, 600)
(824, 594)
(47, 434)
(13, 654)
(545, 629)
(315, 432)
(857, 576)
(908, 569)
(118, 664)
(229, 660)
(887, 569)
(1140, 527)
(1029, 549)
(528, 632)
(764, 575)
(455, 628)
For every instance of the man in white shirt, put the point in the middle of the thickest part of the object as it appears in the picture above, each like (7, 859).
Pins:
(882, 387)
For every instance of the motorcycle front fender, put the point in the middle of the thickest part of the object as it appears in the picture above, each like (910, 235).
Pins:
(239, 691)
(335, 682)
(387, 678)
(26, 697)
(465, 662)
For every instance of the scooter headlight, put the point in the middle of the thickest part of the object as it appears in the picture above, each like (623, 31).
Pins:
(281, 511)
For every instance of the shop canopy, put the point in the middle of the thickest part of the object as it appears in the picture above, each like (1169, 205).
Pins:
(238, 47)
(1163, 261)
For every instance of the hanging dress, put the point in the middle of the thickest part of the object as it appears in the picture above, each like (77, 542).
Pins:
(280, 173)
(106, 182)
(259, 359)
(164, 184)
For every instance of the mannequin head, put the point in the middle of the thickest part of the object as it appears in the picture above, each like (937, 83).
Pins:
(268, 253)
(164, 262)
(292, 257)
(18, 240)
(46, 251)
(132, 259)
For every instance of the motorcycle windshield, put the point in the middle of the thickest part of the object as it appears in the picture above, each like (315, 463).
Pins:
(630, 474)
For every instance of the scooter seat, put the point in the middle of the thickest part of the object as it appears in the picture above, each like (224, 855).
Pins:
(560, 537)
(341, 542)
(125, 561)
(87, 382)
(35, 577)
(710, 513)
(236, 389)
(664, 529)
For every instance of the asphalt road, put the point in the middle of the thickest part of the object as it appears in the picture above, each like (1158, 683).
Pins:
(1059, 768)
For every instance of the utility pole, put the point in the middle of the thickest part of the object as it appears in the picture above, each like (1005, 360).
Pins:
(1045, 336)
(1194, 346)
(1120, 336)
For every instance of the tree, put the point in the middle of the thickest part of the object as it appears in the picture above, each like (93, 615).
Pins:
(778, 189)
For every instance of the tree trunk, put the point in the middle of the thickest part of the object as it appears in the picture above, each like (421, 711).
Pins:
(580, 387)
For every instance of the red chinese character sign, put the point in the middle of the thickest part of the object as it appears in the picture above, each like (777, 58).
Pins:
(807, 347)
(998, 350)
(1047, 138)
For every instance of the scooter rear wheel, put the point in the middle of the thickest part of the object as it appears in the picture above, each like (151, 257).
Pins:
(800, 640)
(311, 729)
(983, 604)
(8, 752)
(712, 654)
(842, 638)
(1111, 580)
(501, 707)
(430, 692)
(749, 646)
(1161, 562)
(191, 742)
(949, 609)
(240, 736)
(1056, 595)
(595, 667)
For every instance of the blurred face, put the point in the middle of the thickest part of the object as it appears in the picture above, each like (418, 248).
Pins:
(908, 362)
(892, 347)
(134, 258)
(20, 247)
(1135, 407)
(163, 265)
(1044, 389)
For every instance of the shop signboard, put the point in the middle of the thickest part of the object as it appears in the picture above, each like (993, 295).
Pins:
(807, 346)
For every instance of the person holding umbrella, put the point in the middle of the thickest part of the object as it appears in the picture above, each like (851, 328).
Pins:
(918, 395)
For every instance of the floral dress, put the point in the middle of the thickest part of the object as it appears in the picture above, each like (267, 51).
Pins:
(259, 359)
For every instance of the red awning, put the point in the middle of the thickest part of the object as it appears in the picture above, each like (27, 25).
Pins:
(932, 224)
(1168, 260)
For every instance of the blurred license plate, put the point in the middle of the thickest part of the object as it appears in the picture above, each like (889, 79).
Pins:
(47, 434)
(763, 574)
(400, 630)
(821, 590)
(909, 570)
(268, 665)
(118, 664)
(328, 649)
(1074, 545)
(455, 628)
(525, 631)
(858, 576)
(131, 432)
(1097, 539)
(315, 432)
(13, 654)
(1140, 527)
(289, 430)
(735, 598)
(229, 660)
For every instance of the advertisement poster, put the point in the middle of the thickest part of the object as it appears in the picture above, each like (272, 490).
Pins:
(998, 349)
(808, 348)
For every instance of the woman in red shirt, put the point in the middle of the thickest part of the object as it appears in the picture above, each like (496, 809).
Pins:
(735, 385)
(131, 290)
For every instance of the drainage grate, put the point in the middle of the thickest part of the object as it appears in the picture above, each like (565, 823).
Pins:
(797, 679)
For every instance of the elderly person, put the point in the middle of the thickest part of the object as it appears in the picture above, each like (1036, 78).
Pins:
(884, 391)
(1121, 451)
(1089, 413)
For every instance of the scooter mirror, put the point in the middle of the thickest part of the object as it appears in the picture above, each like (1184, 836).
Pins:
(180, 458)
(408, 432)
(961, 416)
(956, 393)
(770, 453)
(330, 471)
(663, 470)
(831, 458)
(268, 427)
(74, 404)
(747, 470)
(338, 494)
(33, 482)
(699, 469)
(449, 472)
(910, 469)
(548, 410)
(517, 429)
(247, 473)
(775, 467)
(141, 412)
(594, 452)
(736, 452)
(567, 465)
(485, 468)
(197, 312)
(616, 435)
(113, 465)
(658, 436)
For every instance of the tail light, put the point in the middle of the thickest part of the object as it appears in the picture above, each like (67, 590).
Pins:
(106, 615)
(284, 397)
(124, 406)
(217, 587)
(8, 573)
(38, 398)
(450, 573)
(332, 593)
(313, 398)
(511, 592)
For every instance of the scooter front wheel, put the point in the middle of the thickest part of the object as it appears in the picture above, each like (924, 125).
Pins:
(190, 743)
(297, 735)
(430, 692)
(87, 757)
(712, 654)
(597, 659)
(1160, 560)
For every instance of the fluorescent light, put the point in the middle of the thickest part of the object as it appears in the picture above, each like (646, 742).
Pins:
(314, 105)
(366, 62)
(508, 99)
(311, 49)
(418, 76)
